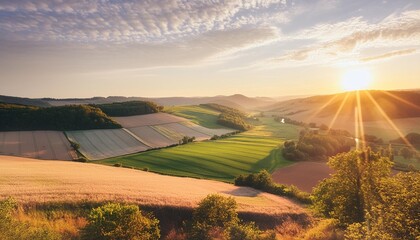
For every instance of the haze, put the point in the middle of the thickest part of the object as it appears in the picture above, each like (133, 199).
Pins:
(200, 48)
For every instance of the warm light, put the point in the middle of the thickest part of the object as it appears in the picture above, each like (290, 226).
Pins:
(356, 79)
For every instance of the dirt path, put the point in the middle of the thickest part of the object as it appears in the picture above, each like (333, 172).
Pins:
(304, 175)
(30, 180)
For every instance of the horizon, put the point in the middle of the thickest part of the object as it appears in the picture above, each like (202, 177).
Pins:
(272, 49)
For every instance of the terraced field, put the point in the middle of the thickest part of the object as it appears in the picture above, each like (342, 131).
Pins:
(99, 144)
(36, 144)
(223, 159)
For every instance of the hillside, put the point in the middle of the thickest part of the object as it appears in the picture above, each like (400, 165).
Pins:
(23, 101)
(76, 117)
(38, 181)
(396, 104)
(235, 101)
(402, 107)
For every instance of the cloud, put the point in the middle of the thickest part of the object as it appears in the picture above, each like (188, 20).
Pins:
(131, 21)
(393, 31)
(389, 55)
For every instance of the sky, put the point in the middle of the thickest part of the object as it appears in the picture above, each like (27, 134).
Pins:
(72, 48)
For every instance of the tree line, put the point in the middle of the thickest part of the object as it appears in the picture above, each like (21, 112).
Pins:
(63, 118)
(230, 117)
(130, 108)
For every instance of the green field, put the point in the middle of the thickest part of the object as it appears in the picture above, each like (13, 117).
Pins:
(224, 159)
(200, 115)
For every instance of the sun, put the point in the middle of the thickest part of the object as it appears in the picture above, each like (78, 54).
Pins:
(356, 79)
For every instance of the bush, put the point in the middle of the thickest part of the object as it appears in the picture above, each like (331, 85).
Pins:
(264, 182)
(115, 221)
(117, 164)
(213, 217)
(10, 229)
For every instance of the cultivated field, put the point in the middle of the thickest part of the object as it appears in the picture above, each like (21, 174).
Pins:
(198, 114)
(37, 181)
(99, 144)
(224, 159)
(152, 137)
(304, 175)
(36, 144)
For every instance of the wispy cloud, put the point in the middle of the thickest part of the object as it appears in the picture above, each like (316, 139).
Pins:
(394, 31)
(389, 55)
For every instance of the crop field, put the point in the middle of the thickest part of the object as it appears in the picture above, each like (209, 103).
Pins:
(304, 175)
(36, 144)
(99, 144)
(207, 131)
(197, 114)
(35, 181)
(186, 131)
(152, 137)
(148, 120)
(222, 160)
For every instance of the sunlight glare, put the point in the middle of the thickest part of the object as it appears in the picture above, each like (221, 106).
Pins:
(356, 79)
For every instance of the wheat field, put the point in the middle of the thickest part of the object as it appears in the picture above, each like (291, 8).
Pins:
(40, 181)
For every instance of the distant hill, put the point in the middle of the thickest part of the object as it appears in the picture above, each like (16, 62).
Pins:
(402, 108)
(237, 101)
(396, 104)
(23, 101)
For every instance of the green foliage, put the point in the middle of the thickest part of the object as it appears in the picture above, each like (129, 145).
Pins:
(312, 146)
(230, 117)
(115, 221)
(186, 140)
(413, 138)
(72, 117)
(249, 231)
(130, 108)
(221, 160)
(215, 214)
(10, 229)
(406, 153)
(351, 189)
(263, 181)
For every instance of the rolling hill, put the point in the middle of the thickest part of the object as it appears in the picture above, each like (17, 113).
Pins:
(402, 107)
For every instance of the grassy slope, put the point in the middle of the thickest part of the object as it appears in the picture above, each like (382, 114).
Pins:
(223, 159)
(200, 115)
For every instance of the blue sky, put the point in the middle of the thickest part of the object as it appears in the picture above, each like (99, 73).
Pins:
(57, 48)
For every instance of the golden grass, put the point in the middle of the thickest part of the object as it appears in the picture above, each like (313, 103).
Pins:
(37, 181)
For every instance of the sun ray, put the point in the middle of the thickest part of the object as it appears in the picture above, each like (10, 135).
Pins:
(338, 111)
(390, 122)
(401, 99)
(356, 128)
(321, 108)
(360, 120)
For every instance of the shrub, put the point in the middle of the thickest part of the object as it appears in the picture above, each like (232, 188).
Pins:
(213, 216)
(264, 182)
(10, 229)
(117, 164)
(116, 221)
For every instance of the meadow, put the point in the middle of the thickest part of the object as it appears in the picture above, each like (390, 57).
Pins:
(223, 159)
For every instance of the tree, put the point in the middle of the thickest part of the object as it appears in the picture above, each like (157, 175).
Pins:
(352, 190)
(397, 214)
(406, 153)
(116, 221)
(214, 216)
